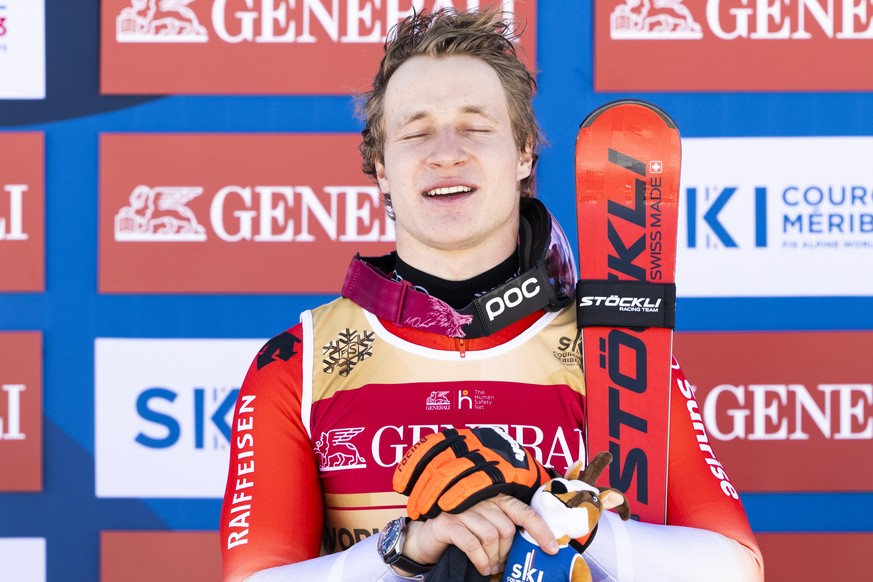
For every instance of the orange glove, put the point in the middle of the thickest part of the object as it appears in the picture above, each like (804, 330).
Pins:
(454, 469)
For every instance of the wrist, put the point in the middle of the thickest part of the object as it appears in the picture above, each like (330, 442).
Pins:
(410, 545)
(393, 549)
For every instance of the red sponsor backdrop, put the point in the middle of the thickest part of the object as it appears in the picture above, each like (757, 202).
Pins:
(20, 411)
(733, 45)
(212, 213)
(257, 46)
(165, 556)
(818, 556)
(778, 404)
(22, 212)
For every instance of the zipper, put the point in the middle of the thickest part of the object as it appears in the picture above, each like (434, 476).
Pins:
(461, 345)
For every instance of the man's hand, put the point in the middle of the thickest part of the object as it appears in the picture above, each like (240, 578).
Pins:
(457, 468)
(484, 532)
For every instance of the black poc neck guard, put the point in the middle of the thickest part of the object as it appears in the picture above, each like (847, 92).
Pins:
(546, 282)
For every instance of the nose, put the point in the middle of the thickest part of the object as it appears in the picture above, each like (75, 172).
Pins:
(447, 149)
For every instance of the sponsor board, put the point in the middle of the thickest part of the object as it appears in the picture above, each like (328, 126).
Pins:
(732, 45)
(22, 211)
(220, 213)
(22, 49)
(837, 556)
(21, 411)
(764, 217)
(774, 403)
(163, 410)
(129, 556)
(260, 46)
(23, 559)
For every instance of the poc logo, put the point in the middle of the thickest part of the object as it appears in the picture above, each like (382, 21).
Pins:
(208, 410)
(718, 235)
(512, 298)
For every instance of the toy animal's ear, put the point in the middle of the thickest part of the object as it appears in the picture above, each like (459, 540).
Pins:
(593, 470)
(610, 498)
(573, 472)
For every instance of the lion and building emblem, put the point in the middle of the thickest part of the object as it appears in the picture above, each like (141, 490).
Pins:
(653, 20)
(159, 214)
(334, 450)
(159, 21)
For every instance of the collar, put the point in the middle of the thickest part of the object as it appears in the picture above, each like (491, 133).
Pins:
(399, 302)
(581, 544)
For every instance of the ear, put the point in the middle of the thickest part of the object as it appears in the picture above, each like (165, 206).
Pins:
(573, 472)
(525, 163)
(610, 498)
(380, 177)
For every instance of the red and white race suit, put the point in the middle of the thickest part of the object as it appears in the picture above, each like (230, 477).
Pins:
(329, 406)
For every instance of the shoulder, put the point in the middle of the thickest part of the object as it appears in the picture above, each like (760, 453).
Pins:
(280, 348)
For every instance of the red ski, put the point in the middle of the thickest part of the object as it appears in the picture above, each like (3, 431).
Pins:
(627, 190)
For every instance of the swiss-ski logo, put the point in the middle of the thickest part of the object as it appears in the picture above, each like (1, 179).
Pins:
(525, 572)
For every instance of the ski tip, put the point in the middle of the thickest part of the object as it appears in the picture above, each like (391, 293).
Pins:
(592, 117)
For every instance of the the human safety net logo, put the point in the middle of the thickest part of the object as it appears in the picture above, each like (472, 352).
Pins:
(760, 216)
(163, 414)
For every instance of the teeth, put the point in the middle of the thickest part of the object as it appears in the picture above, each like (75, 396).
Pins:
(447, 191)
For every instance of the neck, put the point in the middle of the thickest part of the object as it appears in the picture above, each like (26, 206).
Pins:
(458, 294)
(457, 264)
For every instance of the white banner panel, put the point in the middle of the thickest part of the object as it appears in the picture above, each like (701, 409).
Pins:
(22, 559)
(22, 49)
(163, 409)
(776, 217)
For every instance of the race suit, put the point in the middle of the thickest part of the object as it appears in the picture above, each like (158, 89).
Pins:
(329, 407)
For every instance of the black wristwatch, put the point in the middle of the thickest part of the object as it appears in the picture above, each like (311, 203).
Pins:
(390, 547)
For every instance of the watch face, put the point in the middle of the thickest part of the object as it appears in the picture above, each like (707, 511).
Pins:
(389, 537)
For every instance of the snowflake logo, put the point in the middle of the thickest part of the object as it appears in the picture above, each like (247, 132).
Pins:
(344, 353)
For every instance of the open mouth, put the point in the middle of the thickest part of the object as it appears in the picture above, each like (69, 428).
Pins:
(448, 191)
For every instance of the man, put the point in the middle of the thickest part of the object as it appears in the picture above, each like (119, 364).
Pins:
(451, 139)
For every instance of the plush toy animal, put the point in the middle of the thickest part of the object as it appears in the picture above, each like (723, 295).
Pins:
(572, 507)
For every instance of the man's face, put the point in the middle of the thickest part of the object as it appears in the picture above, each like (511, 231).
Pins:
(452, 167)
